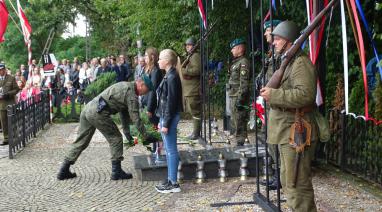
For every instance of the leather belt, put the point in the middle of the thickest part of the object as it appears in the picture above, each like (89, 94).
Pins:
(188, 77)
(306, 109)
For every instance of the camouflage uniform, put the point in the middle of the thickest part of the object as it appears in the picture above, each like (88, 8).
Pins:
(239, 82)
(120, 97)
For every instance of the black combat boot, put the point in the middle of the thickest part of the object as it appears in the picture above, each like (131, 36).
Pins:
(117, 173)
(64, 172)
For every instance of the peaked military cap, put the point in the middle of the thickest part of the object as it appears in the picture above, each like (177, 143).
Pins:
(236, 42)
(2, 65)
(267, 24)
(147, 82)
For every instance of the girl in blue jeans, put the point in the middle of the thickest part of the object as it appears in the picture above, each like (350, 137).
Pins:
(169, 95)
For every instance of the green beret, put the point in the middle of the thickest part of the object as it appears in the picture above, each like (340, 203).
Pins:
(147, 82)
(267, 24)
(236, 42)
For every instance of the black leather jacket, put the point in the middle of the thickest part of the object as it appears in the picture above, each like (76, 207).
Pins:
(169, 97)
(151, 97)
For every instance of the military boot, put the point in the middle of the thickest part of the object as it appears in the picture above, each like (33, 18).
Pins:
(196, 130)
(117, 173)
(64, 172)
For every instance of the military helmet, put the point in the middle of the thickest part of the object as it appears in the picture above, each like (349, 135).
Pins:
(267, 24)
(287, 30)
(190, 41)
(236, 42)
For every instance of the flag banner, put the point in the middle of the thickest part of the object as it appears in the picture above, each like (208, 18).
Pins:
(25, 26)
(202, 13)
(3, 19)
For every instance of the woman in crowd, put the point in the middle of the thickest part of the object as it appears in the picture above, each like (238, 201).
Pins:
(83, 76)
(170, 105)
(18, 75)
(156, 76)
(74, 76)
(36, 77)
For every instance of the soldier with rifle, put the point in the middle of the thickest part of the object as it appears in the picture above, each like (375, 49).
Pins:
(268, 72)
(191, 70)
(291, 123)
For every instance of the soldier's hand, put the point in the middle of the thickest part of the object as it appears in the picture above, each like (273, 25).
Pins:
(265, 93)
(129, 137)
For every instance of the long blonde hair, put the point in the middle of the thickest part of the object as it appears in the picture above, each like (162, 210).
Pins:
(171, 56)
(152, 54)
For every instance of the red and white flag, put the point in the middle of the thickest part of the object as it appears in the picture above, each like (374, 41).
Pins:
(3, 19)
(25, 26)
(202, 13)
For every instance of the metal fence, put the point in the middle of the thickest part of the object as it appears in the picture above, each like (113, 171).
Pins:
(25, 119)
(355, 145)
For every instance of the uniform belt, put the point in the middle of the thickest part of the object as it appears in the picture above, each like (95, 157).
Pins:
(188, 77)
(306, 109)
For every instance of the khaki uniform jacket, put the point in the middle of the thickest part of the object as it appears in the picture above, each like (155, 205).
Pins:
(9, 87)
(298, 89)
(121, 97)
(191, 76)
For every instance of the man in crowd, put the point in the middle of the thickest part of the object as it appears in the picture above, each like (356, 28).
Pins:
(297, 91)
(140, 69)
(124, 66)
(121, 97)
(121, 73)
(268, 69)
(8, 91)
(94, 65)
(239, 79)
(103, 68)
(191, 86)
(24, 72)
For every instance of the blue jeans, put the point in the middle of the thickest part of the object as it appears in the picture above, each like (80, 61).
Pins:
(170, 144)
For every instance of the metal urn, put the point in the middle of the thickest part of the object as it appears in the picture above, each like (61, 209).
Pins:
(180, 175)
(200, 174)
(222, 171)
(243, 167)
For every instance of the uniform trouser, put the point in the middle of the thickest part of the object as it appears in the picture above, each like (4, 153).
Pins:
(239, 120)
(90, 120)
(4, 123)
(193, 107)
(300, 198)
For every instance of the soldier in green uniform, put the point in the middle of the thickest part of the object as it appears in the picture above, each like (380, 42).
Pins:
(191, 86)
(259, 81)
(8, 90)
(121, 97)
(297, 91)
(239, 79)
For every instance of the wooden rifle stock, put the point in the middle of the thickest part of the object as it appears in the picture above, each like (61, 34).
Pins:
(276, 78)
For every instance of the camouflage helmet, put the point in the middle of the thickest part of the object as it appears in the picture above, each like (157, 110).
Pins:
(287, 30)
(190, 41)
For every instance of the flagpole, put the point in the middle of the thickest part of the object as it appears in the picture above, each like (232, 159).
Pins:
(16, 24)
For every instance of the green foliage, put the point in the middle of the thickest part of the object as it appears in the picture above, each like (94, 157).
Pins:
(356, 100)
(103, 81)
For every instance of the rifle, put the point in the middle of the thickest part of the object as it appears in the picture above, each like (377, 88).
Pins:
(276, 78)
(197, 44)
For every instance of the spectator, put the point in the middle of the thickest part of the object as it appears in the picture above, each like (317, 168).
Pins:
(21, 85)
(58, 89)
(140, 69)
(75, 64)
(121, 72)
(36, 77)
(24, 71)
(94, 65)
(18, 75)
(104, 68)
(124, 66)
(83, 76)
(74, 76)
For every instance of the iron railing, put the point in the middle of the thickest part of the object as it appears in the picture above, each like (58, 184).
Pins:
(25, 119)
(355, 145)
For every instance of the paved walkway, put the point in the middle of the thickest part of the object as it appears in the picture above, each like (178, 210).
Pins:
(28, 182)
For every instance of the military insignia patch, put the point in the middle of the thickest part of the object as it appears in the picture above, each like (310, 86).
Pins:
(243, 72)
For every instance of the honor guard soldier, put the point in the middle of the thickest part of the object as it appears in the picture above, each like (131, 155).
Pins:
(191, 86)
(121, 97)
(239, 80)
(8, 90)
(292, 103)
(268, 69)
